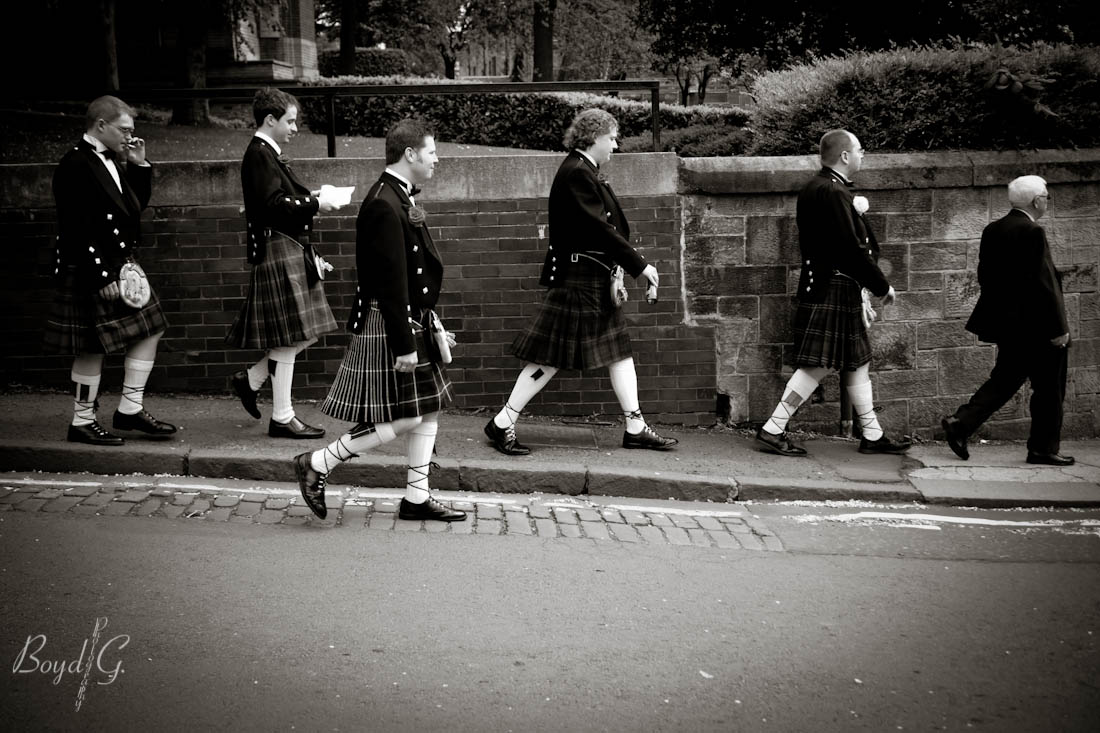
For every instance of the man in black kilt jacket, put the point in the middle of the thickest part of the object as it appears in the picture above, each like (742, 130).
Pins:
(1021, 309)
(101, 187)
(579, 325)
(285, 310)
(839, 260)
(391, 380)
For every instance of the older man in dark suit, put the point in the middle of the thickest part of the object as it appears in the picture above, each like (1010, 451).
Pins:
(392, 380)
(1021, 309)
(101, 187)
(839, 261)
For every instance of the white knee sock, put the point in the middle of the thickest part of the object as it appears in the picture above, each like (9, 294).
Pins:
(134, 377)
(799, 388)
(359, 439)
(528, 384)
(87, 389)
(421, 443)
(624, 382)
(282, 378)
(863, 405)
(258, 374)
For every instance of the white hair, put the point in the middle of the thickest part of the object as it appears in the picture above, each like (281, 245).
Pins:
(1023, 190)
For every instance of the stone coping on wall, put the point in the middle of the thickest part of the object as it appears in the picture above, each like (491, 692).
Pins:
(481, 178)
(784, 174)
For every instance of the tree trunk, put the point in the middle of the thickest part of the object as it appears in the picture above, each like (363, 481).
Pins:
(517, 63)
(543, 33)
(110, 47)
(704, 79)
(193, 40)
(349, 27)
(449, 60)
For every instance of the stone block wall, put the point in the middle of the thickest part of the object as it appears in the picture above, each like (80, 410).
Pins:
(741, 267)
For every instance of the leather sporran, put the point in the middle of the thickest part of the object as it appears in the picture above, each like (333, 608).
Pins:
(133, 285)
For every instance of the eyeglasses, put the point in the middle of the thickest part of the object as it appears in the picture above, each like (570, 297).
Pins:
(1046, 196)
(127, 132)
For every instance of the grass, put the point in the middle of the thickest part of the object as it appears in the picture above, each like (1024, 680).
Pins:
(43, 137)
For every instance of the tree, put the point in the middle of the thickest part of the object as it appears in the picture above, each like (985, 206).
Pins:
(542, 32)
(110, 47)
(349, 27)
(589, 55)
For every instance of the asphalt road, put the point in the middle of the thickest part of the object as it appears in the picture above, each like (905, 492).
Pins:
(864, 621)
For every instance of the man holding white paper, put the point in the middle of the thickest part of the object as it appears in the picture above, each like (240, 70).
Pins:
(285, 310)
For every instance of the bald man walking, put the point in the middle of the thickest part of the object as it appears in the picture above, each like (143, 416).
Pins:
(1020, 309)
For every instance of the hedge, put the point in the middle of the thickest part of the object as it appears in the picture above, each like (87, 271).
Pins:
(981, 98)
(368, 62)
(534, 121)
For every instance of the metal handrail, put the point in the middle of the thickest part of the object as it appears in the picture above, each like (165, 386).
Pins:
(382, 90)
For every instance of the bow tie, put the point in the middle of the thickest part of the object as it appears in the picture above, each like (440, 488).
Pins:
(109, 154)
(414, 191)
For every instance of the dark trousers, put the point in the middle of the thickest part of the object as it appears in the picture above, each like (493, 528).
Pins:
(1042, 363)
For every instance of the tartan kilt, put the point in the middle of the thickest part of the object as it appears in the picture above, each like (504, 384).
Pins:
(367, 389)
(85, 323)
(831, 333)
(577, 326)
(281, 308)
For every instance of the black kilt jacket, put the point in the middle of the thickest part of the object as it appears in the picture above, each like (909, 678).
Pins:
(832, 236)
(274, 198)
(1021, 291)
(99, 227)
(396, 263)
(585, 216)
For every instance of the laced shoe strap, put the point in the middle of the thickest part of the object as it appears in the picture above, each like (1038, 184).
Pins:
(423, 472)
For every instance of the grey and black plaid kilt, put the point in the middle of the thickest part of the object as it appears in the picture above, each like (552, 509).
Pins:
(281, 308)
(831, 334)
(367, 389)
(82, 323)
(577, 326)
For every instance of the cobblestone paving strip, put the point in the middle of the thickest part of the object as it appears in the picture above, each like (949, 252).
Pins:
(727, 527)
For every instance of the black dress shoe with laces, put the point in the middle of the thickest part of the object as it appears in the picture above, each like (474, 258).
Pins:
(312, 485)
(294, 429)
(1050, 459)
(884, 445)
(142, 422)
(246, 393)
(952, 430)
(778, 444)
(93, 434)
(649, 439)
(504, 440)
(431, 509)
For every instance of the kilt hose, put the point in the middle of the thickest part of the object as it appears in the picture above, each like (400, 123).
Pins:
(85, 323)
(367, 389)
(577, 326)
(831, 334)
(281, 308)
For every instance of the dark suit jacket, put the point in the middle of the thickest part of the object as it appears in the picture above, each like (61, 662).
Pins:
(99, 227)
(832, 236)
(396, 263)
(274, 198)
(1021, 291)
(585, 216)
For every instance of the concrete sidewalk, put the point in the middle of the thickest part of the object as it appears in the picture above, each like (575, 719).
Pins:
(217, 439)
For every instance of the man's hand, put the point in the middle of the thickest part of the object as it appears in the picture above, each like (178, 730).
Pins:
(889, 297)
(324, 201)
(1060, 341)
(405, 363)
(109, 291)
(650, 273)
(135, 151)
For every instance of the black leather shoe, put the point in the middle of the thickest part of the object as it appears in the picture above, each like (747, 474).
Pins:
(780, 444)
(143, 422)
(312, 485)
(647, 439)
(246, 393)
(884, 445)
(294, 429)
(955, 439)
(1050, 459)
(431, 509)
(504, 440)
(93, 434)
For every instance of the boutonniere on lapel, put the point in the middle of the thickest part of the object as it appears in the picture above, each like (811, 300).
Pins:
(860, 204)
(417, 215)
(284, 159)
(603, 179)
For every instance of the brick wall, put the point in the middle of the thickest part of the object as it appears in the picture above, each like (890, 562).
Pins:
(742, 266)
(492, 242)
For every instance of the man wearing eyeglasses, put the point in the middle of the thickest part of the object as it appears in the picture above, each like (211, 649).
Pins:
(100, 188)
(1022, 310)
